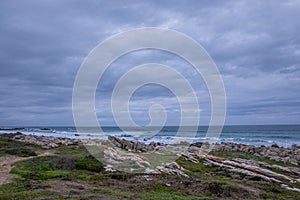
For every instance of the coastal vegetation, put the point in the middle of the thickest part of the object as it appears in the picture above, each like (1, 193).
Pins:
(69, 172)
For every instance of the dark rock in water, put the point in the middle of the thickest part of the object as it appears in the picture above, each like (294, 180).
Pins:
(275, 145)
(11, 129)
(126, 135)
(45, 129)
(76, 134)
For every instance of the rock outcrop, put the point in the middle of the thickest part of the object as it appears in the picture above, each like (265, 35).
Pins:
(44, 141)
(172, 168)
(249, 168)
(254, 169)
(133, 146)
(273, 152)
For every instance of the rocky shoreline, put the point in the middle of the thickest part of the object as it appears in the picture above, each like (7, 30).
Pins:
(273, 152)
(43, 141)
(274, 165)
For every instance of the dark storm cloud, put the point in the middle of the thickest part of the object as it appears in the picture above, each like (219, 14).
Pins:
(256, 46)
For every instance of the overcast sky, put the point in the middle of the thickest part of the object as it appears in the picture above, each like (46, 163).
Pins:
(255, 44)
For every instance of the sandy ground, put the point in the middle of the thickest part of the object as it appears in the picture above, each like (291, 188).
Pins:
(6, 163)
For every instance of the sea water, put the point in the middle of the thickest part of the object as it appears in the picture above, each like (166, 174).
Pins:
(282, 135)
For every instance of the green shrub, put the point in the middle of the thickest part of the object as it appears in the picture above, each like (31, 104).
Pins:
(89, 163)
(22, 152)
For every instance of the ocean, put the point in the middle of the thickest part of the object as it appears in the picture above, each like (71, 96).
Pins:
(282, 135)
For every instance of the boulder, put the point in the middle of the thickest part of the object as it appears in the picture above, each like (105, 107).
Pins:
(132, 146)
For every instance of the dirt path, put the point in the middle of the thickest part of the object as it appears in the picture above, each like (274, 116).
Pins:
(6, 163)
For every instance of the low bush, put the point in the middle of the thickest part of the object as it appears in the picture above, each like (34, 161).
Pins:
(89, 163)
(22, 152)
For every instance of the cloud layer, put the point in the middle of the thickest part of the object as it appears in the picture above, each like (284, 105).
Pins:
(256, 46)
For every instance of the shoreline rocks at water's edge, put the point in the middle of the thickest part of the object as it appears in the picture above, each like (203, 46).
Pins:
(43, 141)
(273, 152)
(255, 169)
